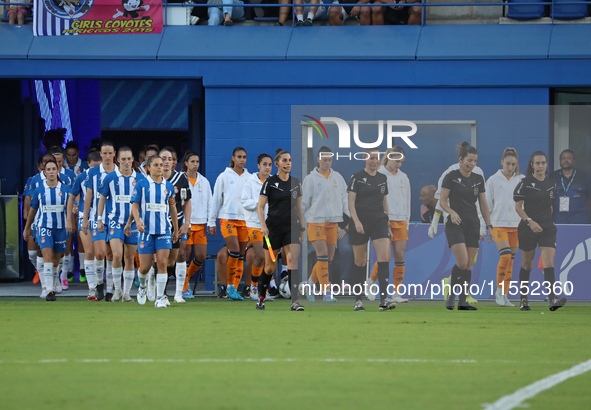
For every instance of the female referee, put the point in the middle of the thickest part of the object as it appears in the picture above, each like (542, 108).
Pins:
(462, 229)
(324, 200)
(225, 203)
(250, 201)
(368, 191)
(117, 188)
(499, 196)
(399, 215)
(533, 197)
(153, 202)
(283, 226)
(50, 198)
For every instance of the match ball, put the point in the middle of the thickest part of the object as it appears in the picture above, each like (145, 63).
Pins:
(284, 289)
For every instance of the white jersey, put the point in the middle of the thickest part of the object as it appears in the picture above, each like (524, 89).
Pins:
(251, 191)
(324, 199)
(225, 203)
(200, 200)
(499, 196)
(398, 195)
(454, 167)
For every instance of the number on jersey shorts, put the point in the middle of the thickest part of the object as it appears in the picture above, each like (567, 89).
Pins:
(52, 238)
(149, 244)
(116, 232)
(94, 232)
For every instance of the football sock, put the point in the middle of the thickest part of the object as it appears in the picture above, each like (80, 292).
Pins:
(128, 277)
(33, 258)
(374, 272)
(117, 274)
(502, 266)
(232, 265)
(256, 273)
(181, 274)
(294, 281)
(143, 277)
(398, 274)
(465, 283)
(549, 277)
(90, 275)
(322, 272)
(47, 280)
(509, 274)
(239, 271)
(109, 274)
(99, 269)
(191, 270)
(311, 16)
(358, 277)
(160, 284)
(456, 278)
(523, 283)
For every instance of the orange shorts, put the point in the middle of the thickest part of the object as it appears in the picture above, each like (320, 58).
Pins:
(197, 235)
(323, 231)
(254, 235)
(507, 235)
(234, 227)
(399, 231)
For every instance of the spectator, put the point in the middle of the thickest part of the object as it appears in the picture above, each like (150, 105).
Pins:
(396, 15)
(573, 192)
(17, 14)
(428, 199)
(338, 15)
(312, 12)
(197, 13)
(219, 15)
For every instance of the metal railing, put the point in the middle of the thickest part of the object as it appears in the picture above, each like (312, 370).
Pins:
(423, 4)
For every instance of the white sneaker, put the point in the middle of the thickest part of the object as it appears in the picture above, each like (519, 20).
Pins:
(117, 296)
(178, 298)
(57, 285)
(141, 295)
(160, 303)
(43, 294)
(126, 298)
(396, 298)
(166, 301)
(65, 285)
(194, 20)
(369, 294)
(499, 297)
(254, 293)
(507, 303)
(151, 290)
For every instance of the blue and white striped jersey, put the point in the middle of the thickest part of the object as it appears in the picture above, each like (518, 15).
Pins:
(51, 205)
(94, 179)
(117, 189)
(34, 182)
(78, 168)
(27, 190)
(78, 189)
(154, 200)
(68, 177)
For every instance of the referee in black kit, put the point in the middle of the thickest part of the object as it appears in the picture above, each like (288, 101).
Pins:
(283, 226)
(534, 197)
(368, 205)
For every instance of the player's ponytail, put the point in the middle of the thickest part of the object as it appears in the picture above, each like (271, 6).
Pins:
(530, 164)
(511, 152)
(464, 149)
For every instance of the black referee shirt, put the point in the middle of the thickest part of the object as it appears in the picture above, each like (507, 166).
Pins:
(282, 197)
(463, 194)
(537, 197)
(370, 190)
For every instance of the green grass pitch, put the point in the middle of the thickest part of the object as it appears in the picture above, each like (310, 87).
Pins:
(208, 353)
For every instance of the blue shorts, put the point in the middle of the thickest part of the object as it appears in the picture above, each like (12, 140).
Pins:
(116, 232)
(149, 244)
(96, 235)
(52, 238)
(34, 233)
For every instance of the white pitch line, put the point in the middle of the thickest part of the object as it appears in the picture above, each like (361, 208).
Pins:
(272, 360)
(514, 400)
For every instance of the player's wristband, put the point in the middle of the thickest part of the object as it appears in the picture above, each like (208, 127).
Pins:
(99, 218)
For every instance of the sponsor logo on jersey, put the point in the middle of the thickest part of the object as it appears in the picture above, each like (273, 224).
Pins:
(176, 190)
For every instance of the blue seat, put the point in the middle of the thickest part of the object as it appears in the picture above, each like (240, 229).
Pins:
(569, 11)
(526, 12)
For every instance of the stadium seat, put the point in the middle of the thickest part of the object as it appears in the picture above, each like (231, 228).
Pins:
(569, 11)
(528, 12)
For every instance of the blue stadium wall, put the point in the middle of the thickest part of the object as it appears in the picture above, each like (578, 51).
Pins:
(253, 75)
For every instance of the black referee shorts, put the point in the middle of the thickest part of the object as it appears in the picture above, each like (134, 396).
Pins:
(468, 234)
(280, 234)
(528, 239)
(374, 229)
